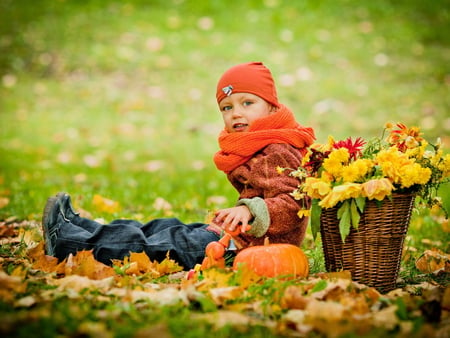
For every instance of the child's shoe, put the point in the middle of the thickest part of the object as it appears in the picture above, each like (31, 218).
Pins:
(58, 205)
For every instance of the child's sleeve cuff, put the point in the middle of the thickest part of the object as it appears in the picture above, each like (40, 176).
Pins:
(261, 216)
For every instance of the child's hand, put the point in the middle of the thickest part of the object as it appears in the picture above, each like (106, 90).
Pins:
(231, 218)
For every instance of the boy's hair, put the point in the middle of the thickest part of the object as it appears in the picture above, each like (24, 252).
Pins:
(250, 77)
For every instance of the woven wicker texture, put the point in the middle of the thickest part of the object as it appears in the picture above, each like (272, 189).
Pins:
(372, 253)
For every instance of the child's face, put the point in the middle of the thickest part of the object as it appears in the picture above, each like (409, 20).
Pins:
(239, 110)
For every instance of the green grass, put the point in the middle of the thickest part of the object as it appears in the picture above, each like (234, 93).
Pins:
(117, 98)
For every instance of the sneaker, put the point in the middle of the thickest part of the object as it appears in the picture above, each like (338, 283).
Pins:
(55, 206)
(67, 210)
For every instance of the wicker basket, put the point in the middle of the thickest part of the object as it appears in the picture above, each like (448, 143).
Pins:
(372, 253)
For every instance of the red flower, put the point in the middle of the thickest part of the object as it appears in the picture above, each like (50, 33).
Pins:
(315, 160)
(354, 147)
(404, 137)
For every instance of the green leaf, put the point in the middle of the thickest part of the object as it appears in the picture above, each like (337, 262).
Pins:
(361, 203)
(344, 220)
(316, 210)
(355, 216)
(320, 285)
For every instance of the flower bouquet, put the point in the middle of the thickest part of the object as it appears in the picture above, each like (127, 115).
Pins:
(362, 195)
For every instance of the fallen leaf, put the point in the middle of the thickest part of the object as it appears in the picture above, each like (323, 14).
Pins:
(215, 278)
(31, 237)
(296, 318)
(140, 263)
(345, 274)
(167, 296)
(7, 230)
(161, 204)
(433, 261)
(386, 318)
(244, 277)
(221, 295)
(294, 297)
(104, 204)
(26, 301)
(10, 286)
(78, 283)
(4, 201)
(84, 264)
(167, 266)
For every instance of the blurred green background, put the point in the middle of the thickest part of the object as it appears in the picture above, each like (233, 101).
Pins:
(117, 98)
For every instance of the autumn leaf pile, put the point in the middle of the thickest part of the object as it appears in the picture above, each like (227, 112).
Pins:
(97, 296)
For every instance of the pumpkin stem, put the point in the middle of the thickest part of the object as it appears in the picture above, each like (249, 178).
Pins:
(266, 241)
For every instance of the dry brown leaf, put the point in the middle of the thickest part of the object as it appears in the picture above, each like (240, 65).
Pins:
(10, 286)
(221, 295)
(78, 283)
(345, 274)
(84, 264)
(167, 266)
(7, 230)
(104, 204)
(294, 298)
(19, 271)
(48, 264)
(31, 237)
(26, 301)
(140, 263)
(214, 278)
(295, 319)
(433, 261)
(166, 296)
(386, 318)
(41, 261)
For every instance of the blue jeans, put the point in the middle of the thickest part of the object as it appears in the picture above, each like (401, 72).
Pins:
(185, 242)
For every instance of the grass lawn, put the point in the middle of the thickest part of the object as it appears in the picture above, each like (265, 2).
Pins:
(117, 98)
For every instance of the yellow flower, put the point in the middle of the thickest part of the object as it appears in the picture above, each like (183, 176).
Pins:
(341, 193)
(279, 170)
(297, 194)
(324, 147)
(333, 164)
(377, 188)
(414, 174)
(444, 166)
(417, 152)
(391, 162)
(316, 187)
(300, 173)
(306, 158)
(355, 171)
(436, 158)
(304, 213)
(330, 143)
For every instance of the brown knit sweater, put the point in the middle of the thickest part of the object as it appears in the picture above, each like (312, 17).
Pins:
(267, 194)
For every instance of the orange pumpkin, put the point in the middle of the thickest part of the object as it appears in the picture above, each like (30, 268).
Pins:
(272, 260)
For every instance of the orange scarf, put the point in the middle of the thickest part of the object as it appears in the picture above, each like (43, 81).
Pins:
(281, 127)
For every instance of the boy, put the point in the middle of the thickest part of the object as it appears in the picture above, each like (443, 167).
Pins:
(260, 135)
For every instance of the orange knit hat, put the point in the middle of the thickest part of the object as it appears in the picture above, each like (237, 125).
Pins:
(251, 77)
